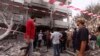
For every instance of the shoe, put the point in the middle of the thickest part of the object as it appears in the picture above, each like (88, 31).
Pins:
(23, 48)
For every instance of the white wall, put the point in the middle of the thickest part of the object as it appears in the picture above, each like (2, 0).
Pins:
(46, 22)
(39, 2)
(42, 21)
(61, 24)
(19, 1)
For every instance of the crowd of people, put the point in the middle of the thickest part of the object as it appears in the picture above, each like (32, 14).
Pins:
(60, 40)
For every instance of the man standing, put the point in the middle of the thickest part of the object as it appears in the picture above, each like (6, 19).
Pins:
(82, 39)
(40, 38)
(48, 40)
(55, 36)
(74, 39)
(30, 35)
(63, 41)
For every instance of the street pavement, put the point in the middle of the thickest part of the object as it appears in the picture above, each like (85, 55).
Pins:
(50, 52)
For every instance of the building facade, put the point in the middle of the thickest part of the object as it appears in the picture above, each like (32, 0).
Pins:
(41, 9)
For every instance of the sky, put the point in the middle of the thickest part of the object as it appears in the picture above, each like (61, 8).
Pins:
(82, 4)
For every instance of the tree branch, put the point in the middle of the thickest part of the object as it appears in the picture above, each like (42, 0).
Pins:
(4, 19)
(11, 21)
(16, 29)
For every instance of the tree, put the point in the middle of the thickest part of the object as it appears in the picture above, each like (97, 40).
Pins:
(6, 17)
(8, 24)
(92, 22)
(13, 16)
(93, 9)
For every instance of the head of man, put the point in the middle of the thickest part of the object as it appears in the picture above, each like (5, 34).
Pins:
(33, 17)
(56, 29)
(80, 23)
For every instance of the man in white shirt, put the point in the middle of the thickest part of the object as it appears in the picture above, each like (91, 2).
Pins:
(55, 36)
(40, 35)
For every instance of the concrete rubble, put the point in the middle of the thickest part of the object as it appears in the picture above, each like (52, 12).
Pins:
(11, 47)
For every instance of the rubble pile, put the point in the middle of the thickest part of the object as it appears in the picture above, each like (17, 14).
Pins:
(11, 47)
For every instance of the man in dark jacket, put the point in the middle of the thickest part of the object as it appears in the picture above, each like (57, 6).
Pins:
(83, 38)
(63, 41)
(74, 38)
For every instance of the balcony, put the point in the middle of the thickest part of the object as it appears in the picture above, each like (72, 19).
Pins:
(39, 3)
